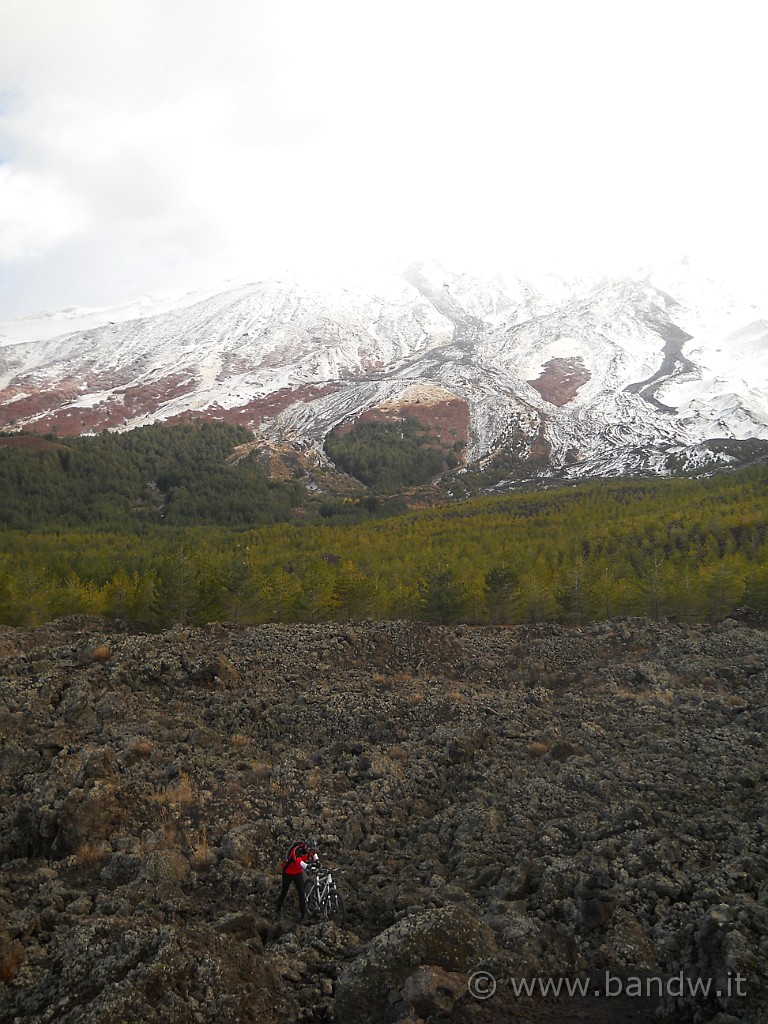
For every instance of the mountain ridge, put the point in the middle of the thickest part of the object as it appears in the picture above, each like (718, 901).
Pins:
(608, 377)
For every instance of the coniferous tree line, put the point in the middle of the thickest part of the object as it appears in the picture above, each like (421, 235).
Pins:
(388, 457)
(177, 475)
(695, 549)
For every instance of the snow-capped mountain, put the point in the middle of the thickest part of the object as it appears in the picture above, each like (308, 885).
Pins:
(650, 374)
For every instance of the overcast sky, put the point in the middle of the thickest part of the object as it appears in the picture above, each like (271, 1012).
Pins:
(151, 144)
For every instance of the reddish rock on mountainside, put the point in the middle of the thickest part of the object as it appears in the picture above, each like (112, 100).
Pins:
(561, 379)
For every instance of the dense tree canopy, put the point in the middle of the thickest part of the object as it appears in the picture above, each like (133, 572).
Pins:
(691, 548)
(171, 474)
(387, 457)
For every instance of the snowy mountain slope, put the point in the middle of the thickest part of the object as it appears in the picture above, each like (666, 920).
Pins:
(40, 326)
(585, 377)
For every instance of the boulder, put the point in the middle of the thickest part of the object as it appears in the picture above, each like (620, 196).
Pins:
(238, 846)
(243, 924)
(433, 992)
(166, 866)
(449, 937)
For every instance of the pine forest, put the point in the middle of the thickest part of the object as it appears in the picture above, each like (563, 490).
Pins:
(156, 528)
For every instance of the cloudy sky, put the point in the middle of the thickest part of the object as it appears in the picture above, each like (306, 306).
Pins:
(153, 144)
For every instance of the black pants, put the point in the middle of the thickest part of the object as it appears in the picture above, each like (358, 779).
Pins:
(298, 881)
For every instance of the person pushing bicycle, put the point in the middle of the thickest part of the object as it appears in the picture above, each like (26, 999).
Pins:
(296, 862)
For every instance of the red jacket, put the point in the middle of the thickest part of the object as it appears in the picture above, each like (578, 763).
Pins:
(298, 857)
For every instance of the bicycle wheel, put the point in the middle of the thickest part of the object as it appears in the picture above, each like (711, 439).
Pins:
(335, 906)
(313, 901)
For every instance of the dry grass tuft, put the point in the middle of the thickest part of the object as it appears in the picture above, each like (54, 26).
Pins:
(92, 855)
(592, 681)
(540, 747)
(407, 679)
(735, 701)
(646, 696)
(177, 794)
(640, 696)
(398, 753)
(457, 695)
(260, 773)
(11, 957)
(139, 749)
(169, 835)
(203, 857)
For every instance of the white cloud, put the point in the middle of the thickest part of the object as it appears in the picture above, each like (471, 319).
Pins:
(35, 214)
(149, 141)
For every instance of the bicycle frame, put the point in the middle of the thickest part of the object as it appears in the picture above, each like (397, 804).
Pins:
(321, 893)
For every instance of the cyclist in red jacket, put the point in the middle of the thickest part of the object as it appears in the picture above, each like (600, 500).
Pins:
(297, 860)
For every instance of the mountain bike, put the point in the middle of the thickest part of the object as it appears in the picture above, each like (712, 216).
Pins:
(323, 896)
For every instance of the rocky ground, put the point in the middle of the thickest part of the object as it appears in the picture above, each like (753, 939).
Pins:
(526, 802)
